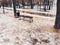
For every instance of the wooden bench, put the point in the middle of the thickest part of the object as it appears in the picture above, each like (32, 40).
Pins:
(35, 12)
(30, 16)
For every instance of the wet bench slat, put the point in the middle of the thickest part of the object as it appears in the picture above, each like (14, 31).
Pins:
(35, 12)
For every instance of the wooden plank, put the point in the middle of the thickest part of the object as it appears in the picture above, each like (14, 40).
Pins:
(33, 11)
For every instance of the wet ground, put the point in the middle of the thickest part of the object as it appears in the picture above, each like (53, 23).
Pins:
(18, 32)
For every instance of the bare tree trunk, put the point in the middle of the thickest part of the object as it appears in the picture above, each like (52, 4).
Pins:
(57, 22)
(14, 7)
(3, 9)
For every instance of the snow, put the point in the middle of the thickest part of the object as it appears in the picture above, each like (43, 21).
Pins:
(18, 32)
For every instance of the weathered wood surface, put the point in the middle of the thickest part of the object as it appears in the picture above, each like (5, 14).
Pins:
(35, 12)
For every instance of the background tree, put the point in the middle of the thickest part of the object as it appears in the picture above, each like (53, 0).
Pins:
(31, 3)
(23, 3)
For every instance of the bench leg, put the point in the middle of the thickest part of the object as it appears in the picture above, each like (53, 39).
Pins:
(31, 20)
